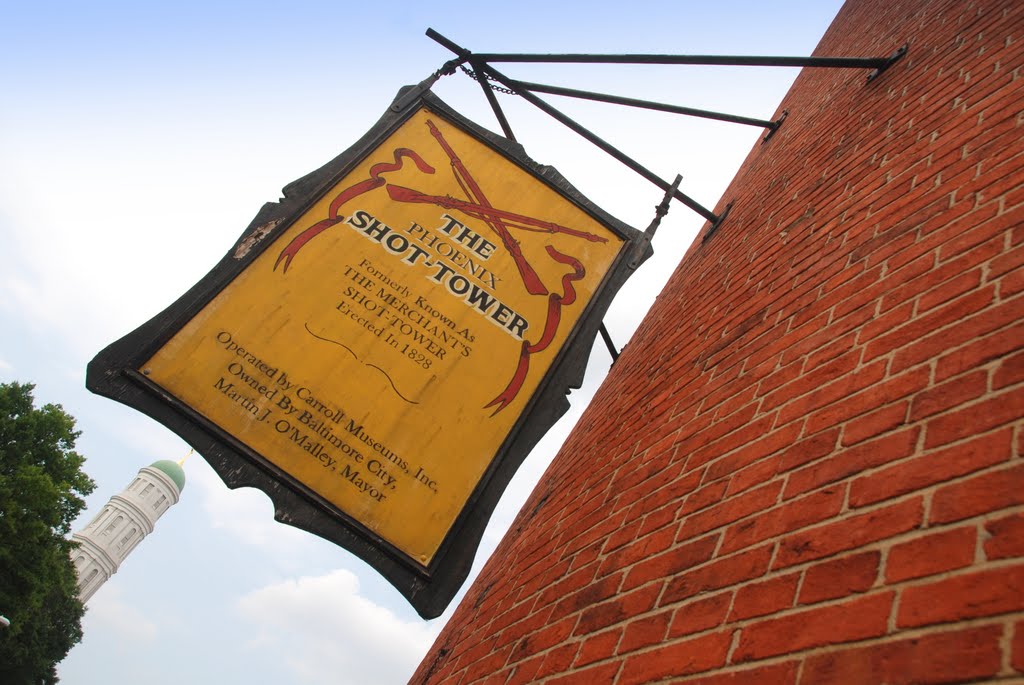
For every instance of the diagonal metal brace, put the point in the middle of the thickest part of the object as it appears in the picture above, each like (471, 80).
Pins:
(488, 70)
(643, 104)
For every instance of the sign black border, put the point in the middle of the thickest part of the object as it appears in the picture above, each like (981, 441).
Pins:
(113, 373)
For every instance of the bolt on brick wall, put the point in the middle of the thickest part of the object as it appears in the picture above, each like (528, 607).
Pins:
(806, 466)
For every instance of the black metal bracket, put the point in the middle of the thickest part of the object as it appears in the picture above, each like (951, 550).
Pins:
(704, 60)
(891, 60)
(483, 71)
(775, 126)
(608, 343)
(644, 104)
(659, 212)
(714, 225)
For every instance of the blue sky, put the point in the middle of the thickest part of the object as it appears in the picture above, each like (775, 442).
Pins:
(137, 140)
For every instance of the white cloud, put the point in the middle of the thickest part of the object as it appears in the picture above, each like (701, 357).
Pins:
(326, 631)
(245, 513)
(108, 613)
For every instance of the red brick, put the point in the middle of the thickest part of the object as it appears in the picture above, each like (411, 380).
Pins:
(644, 632)
(877, 422)
(1006, 537)
(853, 460)
(738, 438)
(780, 376)
(936, 277)
(625, 534)
(935, 553)
(962, 656)
(994, 411)
(605, 673)
(532, 622)
(833, 624)
(701, 614)
(837, 578)
(981, 494)
(774, 674)
(832, 350)
(574, 581)
(755, 474)
(971, 595)
(704, 497)
(598, 647)
(890, 319)
(1011, 284)
(716, 430)
(558, 660)
(786, 518)
(962, 332)
(525, 672)
(620, 607)
(979, 351)
(485, 677)
(949, 394)
(849, 533)
(758, 449)
(1010, 371)
(488, 666)
(809, 450)
(764, 597)
(1017, 656)
(543, 639)
(676, 659)
(719, 574)
(983, 228)
(864, 377)
(949, 290)
(730, 510)
(838, 368)
(586, 596)
(645, 547)
(671, 562)
(1005, 263)
(935, 467)
(880, 394)
(924, 325)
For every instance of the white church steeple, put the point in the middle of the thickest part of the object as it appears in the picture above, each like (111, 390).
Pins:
(123, 522)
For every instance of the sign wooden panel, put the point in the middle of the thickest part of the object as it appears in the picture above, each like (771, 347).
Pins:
(382, 348)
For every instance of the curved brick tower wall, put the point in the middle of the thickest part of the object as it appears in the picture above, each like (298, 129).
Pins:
(807, 464)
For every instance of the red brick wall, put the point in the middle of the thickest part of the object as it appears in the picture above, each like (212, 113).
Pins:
(820, 474)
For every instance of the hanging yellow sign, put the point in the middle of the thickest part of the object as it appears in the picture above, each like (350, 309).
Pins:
(381, 350)
(385, 345)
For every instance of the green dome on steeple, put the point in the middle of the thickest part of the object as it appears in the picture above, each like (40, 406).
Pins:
(173, 470)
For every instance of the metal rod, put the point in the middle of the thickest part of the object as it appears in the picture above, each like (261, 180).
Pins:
(608, 343)
(486, 69)
(495, 106)
(661, 210)
(603, 144)
(438, 38)
(706, 60)
(644, 104)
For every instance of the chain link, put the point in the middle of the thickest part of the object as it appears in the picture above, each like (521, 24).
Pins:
(486, 80)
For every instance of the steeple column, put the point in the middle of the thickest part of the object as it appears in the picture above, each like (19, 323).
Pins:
(127, 518)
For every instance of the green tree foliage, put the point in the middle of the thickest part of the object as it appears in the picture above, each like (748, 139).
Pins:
(41, 489)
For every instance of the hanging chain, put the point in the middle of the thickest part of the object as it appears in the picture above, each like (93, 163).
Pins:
(486, 80)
